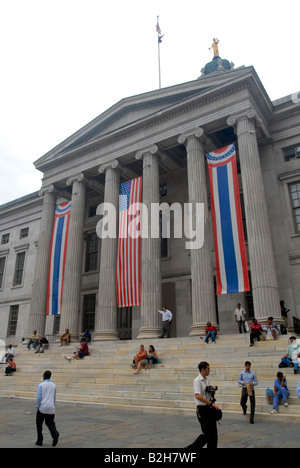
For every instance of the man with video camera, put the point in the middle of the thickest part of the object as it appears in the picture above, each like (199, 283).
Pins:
(208, 412)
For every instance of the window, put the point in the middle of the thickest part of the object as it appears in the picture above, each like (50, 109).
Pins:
(163, 190)
(295, 197)
(89, 309)
(13, 320)
(24, 233)
(2, 266)
(5, 239)
(293, 152)
(91, 261)
(20, 262)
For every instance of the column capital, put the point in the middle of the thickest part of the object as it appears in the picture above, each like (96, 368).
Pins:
(151, 150)
(76, 178)
(198, 133)
(115, 164)
(250, 114)
(50, 189)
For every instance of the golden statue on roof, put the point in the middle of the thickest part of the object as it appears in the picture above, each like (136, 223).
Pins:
(215, 47)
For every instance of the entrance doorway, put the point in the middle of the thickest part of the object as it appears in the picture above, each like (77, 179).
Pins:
(124, 323)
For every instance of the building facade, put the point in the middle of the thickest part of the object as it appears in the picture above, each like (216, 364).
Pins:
(162, 136)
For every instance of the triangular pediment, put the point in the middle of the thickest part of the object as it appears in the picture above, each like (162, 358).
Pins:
(135, 110)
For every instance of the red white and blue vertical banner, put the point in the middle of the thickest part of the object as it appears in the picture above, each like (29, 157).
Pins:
(230, 249)
(57, 261)
(128, 280)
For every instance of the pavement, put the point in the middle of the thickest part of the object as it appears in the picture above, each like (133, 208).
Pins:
(91, 426)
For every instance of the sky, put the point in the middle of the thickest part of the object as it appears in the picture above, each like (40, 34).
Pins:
(64, 62)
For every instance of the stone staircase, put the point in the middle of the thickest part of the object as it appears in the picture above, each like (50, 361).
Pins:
(105, 378)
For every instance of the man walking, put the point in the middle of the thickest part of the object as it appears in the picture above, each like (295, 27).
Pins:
(240, 318)
(46, 396)
(167, 317)
(206, 410)
(248, 380)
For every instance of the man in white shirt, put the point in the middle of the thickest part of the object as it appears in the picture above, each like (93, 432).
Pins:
(167, 317)
(46, 396)
(206, 407)
(240, 318)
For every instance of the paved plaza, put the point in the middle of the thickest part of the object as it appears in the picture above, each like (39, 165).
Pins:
(88, 426)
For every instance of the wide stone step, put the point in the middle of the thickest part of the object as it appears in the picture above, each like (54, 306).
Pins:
(106, 379)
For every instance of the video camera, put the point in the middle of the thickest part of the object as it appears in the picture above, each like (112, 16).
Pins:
(212, 390)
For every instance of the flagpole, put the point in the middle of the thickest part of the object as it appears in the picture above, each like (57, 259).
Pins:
(158, 44)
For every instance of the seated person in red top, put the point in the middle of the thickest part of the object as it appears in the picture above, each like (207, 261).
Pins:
(11, 368)
(139, 358)
(256, 331)
(211, 332)
(81, 353)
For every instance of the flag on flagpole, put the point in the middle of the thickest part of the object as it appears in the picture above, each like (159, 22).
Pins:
(158, 30)
(57, 261)
(128, 281)
(159, 36)
(230, 249)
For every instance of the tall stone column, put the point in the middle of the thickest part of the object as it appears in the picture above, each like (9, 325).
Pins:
(151, 269)
(106, 318)
(73, 268)
(263, 272)
(37, 317)
(203, 292)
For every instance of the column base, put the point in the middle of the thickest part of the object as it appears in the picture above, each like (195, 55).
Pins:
(198, 329)
(108, 335)
(149, 333)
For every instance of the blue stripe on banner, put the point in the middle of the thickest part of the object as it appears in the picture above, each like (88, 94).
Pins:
(56, 268)
(227, 233)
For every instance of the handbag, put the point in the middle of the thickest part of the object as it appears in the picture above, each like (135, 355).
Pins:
(218, 414)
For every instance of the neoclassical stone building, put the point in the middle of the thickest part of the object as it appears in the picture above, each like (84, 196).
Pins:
(162, 136)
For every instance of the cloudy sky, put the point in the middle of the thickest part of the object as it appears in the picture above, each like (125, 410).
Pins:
(64, 62)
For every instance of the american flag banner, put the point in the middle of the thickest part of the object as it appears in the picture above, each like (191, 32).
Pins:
(128, 280)
(230, 249)
(158, 30)
(57, 259)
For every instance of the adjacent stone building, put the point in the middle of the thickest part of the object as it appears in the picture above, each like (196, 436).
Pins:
(163, 136)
